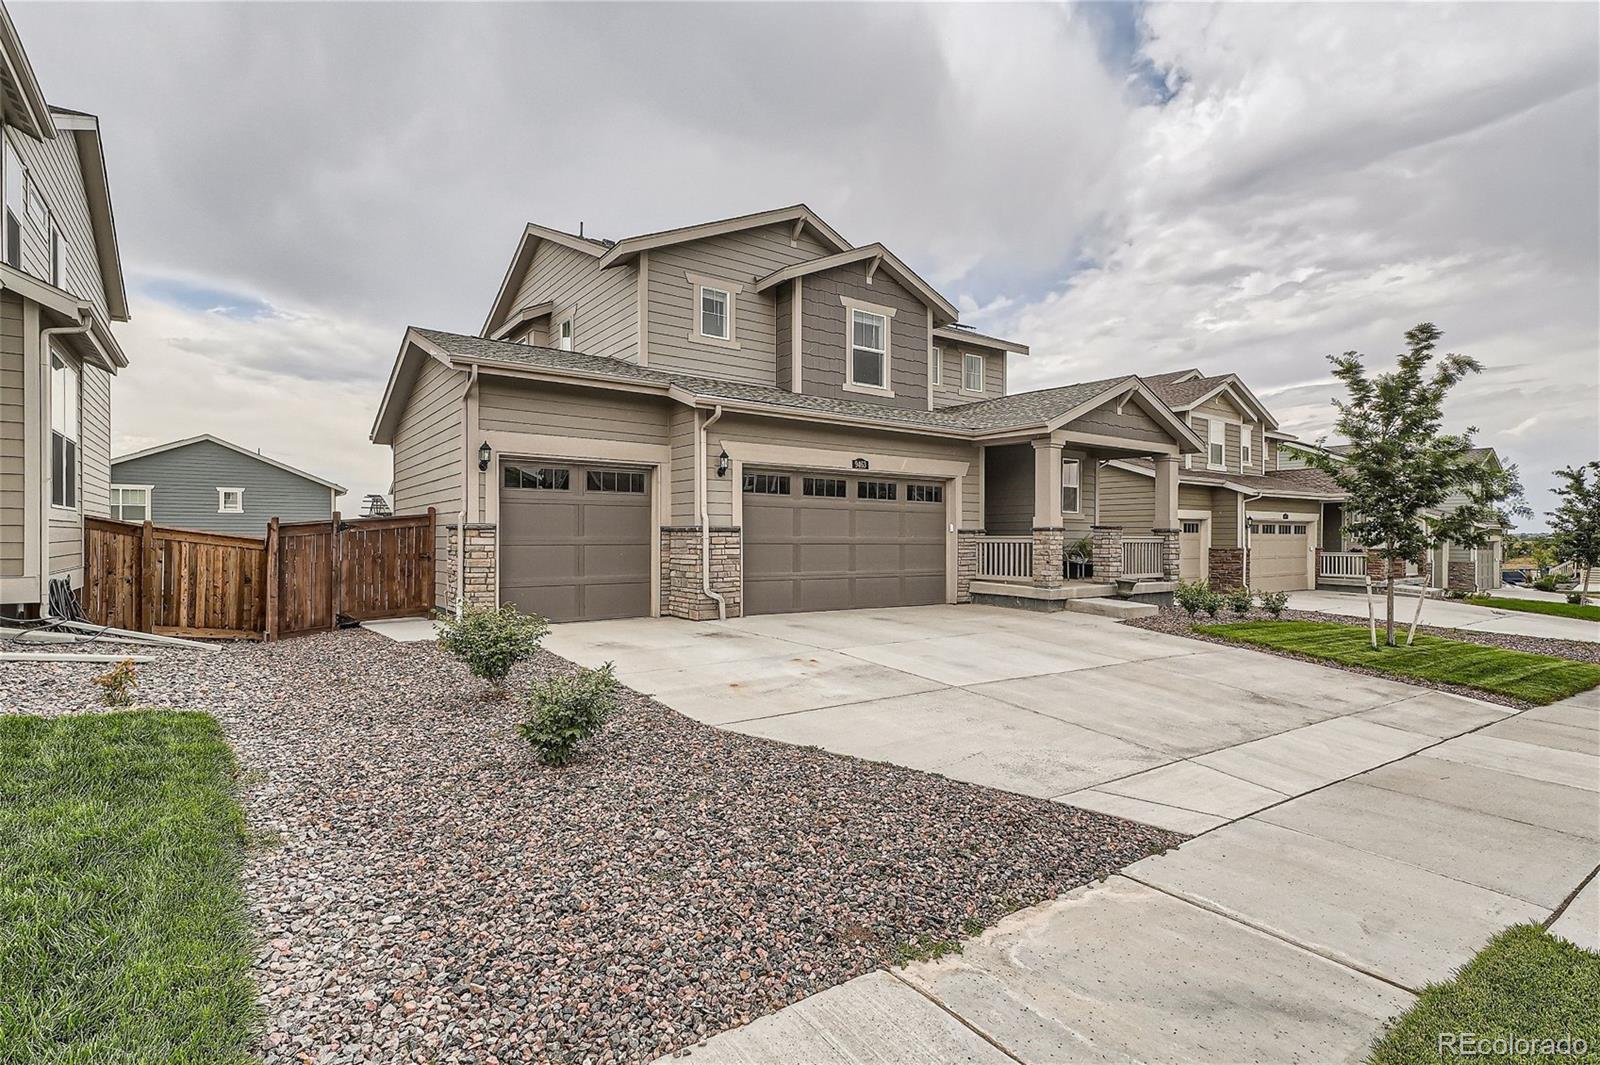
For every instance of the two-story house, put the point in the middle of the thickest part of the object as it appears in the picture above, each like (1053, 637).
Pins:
(60, 287)
(753, 415)
(1247, 515)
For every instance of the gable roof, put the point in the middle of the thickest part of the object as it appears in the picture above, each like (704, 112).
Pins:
(21, 101)
(208, 438)
(962, 334)
(1023, 412)
(627, 249)
(1187, 389)
(85, 130)
(879, 256)
(1291, 484)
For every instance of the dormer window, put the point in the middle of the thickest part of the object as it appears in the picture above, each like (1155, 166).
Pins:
(867, 355)
(971, 372)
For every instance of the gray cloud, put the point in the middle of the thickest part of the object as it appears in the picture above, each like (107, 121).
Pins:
(1319, 181)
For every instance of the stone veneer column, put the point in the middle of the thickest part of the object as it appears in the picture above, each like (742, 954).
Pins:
(480, 564)
(1225, 568)
(966, 562)
(682, 594)
(1107, 551)
(1049, 556)
(1463, 577)
(1169, 553)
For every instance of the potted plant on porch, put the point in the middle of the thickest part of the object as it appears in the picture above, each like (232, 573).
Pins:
(1080, 559)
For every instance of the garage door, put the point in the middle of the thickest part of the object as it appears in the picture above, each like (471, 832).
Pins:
(1191, 552)
(575, 541)
(1279, 557)
(832, 542)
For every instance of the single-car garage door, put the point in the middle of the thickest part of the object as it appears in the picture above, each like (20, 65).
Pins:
(836, 542)
(1191, 552)
(1279, 557)
(575, 540)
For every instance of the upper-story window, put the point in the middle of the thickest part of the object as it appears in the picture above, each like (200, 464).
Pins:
(55, 254)
(971, 372)
(64, 400)
(1216, 448)
(938, 366)
(564, 335)
(13, 181)
(1246, 435)
(714, 312)
(869, 350)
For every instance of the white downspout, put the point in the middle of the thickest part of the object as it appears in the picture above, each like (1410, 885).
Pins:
(466, 481)
(45, 336)
(705, 516)
(1244, 530)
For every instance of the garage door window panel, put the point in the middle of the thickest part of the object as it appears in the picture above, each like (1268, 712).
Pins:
(823, 487)
(884, 491)
(925, 493)
(769, 484)
(627, 481)
(542, 478)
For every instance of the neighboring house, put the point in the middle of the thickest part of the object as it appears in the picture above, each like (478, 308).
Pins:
(60, 286)
(209, 484)
(748, 416)
(1247, 516)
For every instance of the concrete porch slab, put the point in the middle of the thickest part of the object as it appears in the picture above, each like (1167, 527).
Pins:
(1294, 762)
(1118, 972)
(1382, 916)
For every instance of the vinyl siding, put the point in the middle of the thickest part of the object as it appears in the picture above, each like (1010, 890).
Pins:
(185, 482)
(1131, 423)
(66, 527)
(1222, 407)
(1225, 518)
(681, 430)
(95, 448)
(740, 259)
(12, 421)
(53, 167)
(66, 543)
(1008, 491)
(602, 303)
(1127, 499)
(825, 332)
(947, 393)
(427, 457)
(783, 366)
(1191, 497)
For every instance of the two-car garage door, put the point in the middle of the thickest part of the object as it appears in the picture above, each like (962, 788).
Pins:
(826, 541)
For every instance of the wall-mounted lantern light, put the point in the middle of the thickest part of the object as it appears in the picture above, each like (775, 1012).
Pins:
(723, 463)
(483, 456)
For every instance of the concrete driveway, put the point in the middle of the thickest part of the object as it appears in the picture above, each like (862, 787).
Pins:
(1453, 614)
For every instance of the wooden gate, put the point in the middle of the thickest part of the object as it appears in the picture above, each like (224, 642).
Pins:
(299, 578)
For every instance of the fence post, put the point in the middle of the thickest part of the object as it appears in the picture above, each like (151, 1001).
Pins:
(336, 591)
(149, 579)
(272, 552)
(430, 541)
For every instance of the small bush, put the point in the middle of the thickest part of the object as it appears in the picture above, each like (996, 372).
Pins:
(1211, 604)
(567, 711)
(1455, 593)
(1547, 583)
(1191, 595)
(1240, 600)
(117, 683)
(491, 641)
(1274, 602)
(1575, 598)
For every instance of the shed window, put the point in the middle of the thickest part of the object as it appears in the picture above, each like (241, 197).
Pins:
(766, 484)
(629, 481)
(1071, 486)
(230, 500)
(884, 490)
(548, 478)
(924, 493)
(869, 349)
(971, 372)
(65, 399)
(822, 487)
(130, 502)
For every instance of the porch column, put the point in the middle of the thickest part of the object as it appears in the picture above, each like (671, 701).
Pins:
(1166, 514)
(1107, 552)
(1049, 537)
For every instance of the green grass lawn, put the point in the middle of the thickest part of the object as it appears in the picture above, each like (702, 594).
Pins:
(123, 935)
(1538, 679)
(1581, 611)
(1526, 984)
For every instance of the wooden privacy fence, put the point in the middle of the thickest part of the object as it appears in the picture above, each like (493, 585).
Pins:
(301, 577)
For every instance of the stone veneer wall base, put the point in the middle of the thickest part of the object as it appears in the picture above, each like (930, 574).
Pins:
(681, 593)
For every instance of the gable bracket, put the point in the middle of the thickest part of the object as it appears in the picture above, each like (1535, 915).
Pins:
(799, 228)
(872, 267)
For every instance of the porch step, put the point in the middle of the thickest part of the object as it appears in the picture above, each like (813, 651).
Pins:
(1121, 609)
(1068, 590)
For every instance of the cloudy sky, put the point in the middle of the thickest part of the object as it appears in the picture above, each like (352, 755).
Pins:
(1242, 188)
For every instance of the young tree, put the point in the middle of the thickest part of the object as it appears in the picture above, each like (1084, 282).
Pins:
(1575, 523)
(1400, 468)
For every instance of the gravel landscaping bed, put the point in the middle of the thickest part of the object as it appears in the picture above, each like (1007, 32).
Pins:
(429, 892)
(1177, 622)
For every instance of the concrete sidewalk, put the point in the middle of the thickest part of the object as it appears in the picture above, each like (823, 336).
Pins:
(1452, 614)
(1288, 934)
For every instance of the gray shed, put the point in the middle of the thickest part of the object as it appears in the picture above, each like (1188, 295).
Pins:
(209, 484)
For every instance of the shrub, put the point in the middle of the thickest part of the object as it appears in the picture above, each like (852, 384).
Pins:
(568, 710)
(1547, 583)
(1274, 602)
(117, 683)
(1575, 598)
(1240, 600)
(1211, 603)
(491, 641)
(1191, 595)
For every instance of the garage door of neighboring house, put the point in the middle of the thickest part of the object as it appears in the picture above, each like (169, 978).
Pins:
(835, 542)
(1279, 554)
(1191, 551)
(575, 540)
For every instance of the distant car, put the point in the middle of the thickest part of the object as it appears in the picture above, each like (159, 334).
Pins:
(1513, 576)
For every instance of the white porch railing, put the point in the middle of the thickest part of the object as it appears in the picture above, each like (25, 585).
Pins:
(1005, 558)
(1343, 565)
(1141, 556)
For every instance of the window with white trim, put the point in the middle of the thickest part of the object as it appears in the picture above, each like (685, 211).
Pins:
(564, 339)
(130, 502)
(1071, 486)
(971, 372)
(65, 397)
(55, 253)
(938, 366)
(1246, 437)
(716, 313)
(869, 349)
(1216, 446)
(12, 181)
(230, 500)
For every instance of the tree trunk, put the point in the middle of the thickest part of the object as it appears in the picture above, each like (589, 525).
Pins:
(1388, 591)
(1583, 590)
(1372, 620)
(1416, 618)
